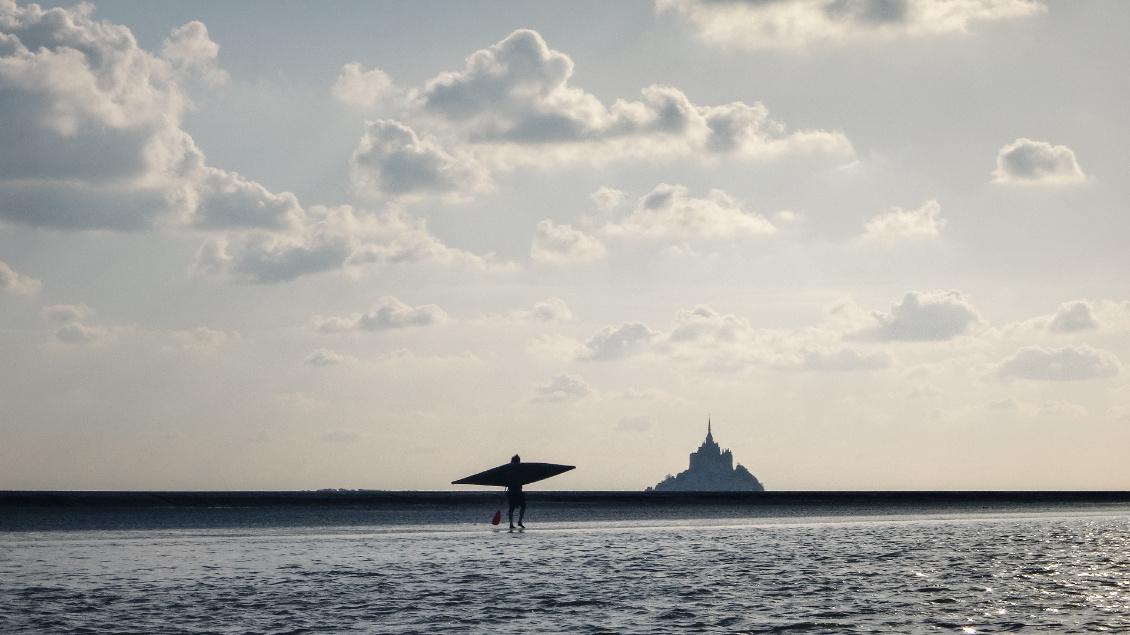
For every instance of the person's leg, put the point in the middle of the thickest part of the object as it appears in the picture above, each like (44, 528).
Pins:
(522, 514)
(511, 515)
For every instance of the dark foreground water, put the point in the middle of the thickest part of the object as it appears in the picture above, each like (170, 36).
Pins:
(668, 567)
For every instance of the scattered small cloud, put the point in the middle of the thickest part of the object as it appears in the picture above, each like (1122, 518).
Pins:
(607, 198)
(1077, 316)
(358, 87)
(1027, 162)
(388, 313)
(326, 357)
(562, 388)
(563, 245)
(1070, 363)
(626, 340)
(1072, 318)
(670, 212)
(552, 310)
(13, 282)
(936, 316)
(897, 224)
(392, 160)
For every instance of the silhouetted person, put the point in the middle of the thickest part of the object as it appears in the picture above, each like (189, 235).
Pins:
(516, 497)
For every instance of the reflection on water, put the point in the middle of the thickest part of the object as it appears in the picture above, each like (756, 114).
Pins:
(908, 574)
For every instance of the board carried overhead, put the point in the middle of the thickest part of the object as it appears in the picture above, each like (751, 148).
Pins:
(513, 474)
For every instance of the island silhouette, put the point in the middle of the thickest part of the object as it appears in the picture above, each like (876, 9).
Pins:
(711, 470)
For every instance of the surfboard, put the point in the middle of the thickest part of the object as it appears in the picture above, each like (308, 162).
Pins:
(511, 474)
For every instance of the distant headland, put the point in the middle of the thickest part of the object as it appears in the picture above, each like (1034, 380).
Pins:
(711, 470)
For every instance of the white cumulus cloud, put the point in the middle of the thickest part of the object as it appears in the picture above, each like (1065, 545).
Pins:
(562, 388)
(898, 224)
(513, 104)
(924, 317)
(1070, 363)
(358, 87)
(1073, 317)
(388, 313)
(1027, 162)
(90, 133)
(13, 282)
(670, 212)
(552, 310)
(562, 245)
(607, 198)
(626, 340)
(326, 357)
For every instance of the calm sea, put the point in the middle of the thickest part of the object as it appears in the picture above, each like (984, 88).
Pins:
(671, 568)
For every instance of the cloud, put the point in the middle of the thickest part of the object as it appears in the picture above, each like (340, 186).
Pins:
(562, 388)
(607, 198)
(1070, 363)
(388, 313)
(358, 87)
(513, 105)
(551, 310)
(326, 357)
(669, 212)
(563, 245)
(759, 24)
(90, 133)
(898, 224)
(391, 160)
(936, 316)
(1072, 318)
(1027, 162)
(639, 423)
(1077, 316)
(13, 282)
(626, 340)
(331, 238)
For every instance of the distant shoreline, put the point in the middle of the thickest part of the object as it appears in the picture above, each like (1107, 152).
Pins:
(381, 498)
(44, 511)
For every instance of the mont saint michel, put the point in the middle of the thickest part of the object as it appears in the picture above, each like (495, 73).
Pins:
(711, 470)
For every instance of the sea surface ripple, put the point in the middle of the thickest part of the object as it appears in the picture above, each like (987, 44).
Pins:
(959, 573)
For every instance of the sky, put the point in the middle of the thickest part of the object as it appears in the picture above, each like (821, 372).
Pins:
(880, 244)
